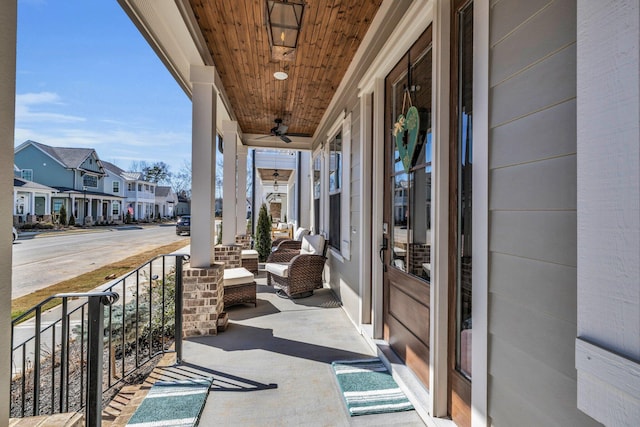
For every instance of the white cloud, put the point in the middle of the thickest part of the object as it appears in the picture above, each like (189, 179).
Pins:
(27, 106)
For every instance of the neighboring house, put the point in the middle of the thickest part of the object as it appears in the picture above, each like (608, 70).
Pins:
(166, 201)
(76, 173)
(183, 207)
(140, 196)
(115, 184)
(32, 201)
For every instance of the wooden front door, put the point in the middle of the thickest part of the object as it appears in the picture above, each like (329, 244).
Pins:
(407, 199)
(460, 214)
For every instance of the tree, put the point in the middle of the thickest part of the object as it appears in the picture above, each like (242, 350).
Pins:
(72, 220)
(263, 234)
(157, 173)
(181, 181)
(63, 216)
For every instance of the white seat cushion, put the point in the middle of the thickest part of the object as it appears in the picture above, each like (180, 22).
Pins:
(300, 232)
(249, 254)
(237, 276)
(312, 244)
(279, 269)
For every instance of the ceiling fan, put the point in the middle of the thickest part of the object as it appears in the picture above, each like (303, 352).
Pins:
(280, 130)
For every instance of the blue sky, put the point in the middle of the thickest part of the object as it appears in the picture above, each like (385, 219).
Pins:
(87, 78)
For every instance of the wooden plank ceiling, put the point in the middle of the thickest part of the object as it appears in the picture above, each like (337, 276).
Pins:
(268, 175)
(236, 35)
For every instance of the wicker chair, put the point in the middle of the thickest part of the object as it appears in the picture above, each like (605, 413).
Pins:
(297, 273)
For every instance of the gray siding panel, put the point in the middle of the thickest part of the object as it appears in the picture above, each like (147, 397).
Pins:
(529, 393)
(527, 186)
(544, 287)
(507, 15)
(535, 333)
(545, 235)
(546, 134)
(546, 83)
(524, 47)
(532, 219)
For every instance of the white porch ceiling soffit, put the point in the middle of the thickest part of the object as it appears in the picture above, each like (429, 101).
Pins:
(167, 27)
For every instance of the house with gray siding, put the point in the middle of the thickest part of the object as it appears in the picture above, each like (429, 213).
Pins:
(476, 170)
(78, 176)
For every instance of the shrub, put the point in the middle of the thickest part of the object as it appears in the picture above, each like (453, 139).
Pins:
(127, 218)
(263, 234)
(72, 220)
(63, 216)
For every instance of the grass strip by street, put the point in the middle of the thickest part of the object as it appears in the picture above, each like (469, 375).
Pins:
(89, 281)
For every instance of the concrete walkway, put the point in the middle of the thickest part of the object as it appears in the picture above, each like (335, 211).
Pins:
(272, 366)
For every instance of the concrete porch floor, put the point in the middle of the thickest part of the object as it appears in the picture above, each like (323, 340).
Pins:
(272, 366)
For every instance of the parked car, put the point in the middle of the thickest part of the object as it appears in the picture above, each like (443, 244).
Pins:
(15, 234)
(183, 225)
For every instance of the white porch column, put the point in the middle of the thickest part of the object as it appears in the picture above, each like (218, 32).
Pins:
(8, 25)
(15, 202)
(32, 203)
(241, 191)
(47, 204)
(229, 182)
(204, 99)
(608, 171)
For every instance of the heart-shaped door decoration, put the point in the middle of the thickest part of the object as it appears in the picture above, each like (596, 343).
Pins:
(405, 132)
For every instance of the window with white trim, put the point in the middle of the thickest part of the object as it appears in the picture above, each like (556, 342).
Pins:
(89, 181)
(317, 173)
(27, 174)
(335, 190)
(338, 166)
(116, 186)
(115, 208)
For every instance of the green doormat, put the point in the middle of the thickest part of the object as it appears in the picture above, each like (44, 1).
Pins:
(172, 403)
(368, 387)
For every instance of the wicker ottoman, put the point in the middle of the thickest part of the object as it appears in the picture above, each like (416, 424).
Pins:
(250, 260)
(239, 287)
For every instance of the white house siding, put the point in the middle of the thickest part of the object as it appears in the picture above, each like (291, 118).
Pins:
(608, 88)
(344, 274)
(532, 203)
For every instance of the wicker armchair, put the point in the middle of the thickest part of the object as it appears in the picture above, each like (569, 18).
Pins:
(297, 273)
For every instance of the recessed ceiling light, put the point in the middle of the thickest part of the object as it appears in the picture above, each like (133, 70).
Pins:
(280, 75)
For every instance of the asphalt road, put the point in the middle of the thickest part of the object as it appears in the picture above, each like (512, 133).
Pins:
(43, 260)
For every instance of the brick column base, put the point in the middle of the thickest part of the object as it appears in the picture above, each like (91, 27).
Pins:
(203, 297)
(230, 255)
(244, 240)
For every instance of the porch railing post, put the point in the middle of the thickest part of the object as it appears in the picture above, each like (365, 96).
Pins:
(94, 362)
(178, 312)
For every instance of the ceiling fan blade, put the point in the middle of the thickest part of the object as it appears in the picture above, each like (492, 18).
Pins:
(285, 138)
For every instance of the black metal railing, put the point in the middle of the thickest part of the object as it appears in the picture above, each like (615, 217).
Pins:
(75, 356)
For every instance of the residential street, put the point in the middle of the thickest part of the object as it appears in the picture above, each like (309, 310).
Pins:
(46, 259)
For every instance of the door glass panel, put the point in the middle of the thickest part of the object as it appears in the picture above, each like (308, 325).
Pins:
(411, 232)
(400, 216)
(465, 186)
